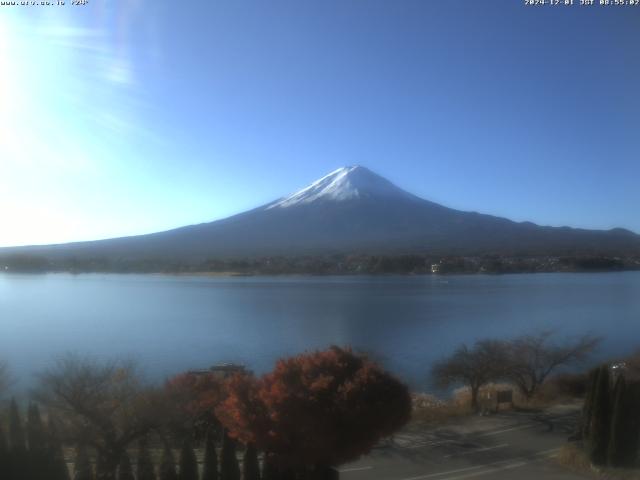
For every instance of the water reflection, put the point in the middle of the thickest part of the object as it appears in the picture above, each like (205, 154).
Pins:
(174, 323)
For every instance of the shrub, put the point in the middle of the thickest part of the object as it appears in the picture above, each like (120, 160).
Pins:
(320, 408)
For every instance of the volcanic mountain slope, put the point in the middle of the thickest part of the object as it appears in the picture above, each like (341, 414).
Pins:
(351, 210)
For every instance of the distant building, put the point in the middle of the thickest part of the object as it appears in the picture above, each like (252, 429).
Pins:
(435, 268)
(222, 370)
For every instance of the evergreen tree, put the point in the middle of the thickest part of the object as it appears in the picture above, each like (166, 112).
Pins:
(615, 448)
(168, 465)
(57, 465)
(623, 443)
(125, 471)
(16, 433)
(4, 456)
(587, 409)
(322, 472)
(188, 462)
(250, 465)
(600, 419)
(210, 467)
(145, 470)
(101, 468)
(4, 447)
(38, 463)
(632, 436)
(272, 470)
(269, 469)
(288, 474)
(229, 468)
(82, 466)
(36, 437)
(20, 468)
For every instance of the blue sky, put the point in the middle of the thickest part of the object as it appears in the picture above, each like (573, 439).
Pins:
(127, 117)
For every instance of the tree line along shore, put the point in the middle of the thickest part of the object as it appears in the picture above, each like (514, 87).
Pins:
(327, 264)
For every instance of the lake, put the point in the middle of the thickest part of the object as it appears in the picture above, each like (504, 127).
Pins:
(173, 323)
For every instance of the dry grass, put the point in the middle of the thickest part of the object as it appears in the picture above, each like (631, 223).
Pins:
(430, 410)
(487, 396)
(571, 456)
(563, 387)
(574, 458)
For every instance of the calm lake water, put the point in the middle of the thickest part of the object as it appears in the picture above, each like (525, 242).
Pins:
(175, 323)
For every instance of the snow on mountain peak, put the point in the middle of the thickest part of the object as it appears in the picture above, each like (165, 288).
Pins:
(345, 183)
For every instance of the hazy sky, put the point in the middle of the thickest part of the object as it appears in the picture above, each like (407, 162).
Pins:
(126, 117)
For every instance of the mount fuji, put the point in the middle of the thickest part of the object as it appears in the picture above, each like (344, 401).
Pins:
(350, 210)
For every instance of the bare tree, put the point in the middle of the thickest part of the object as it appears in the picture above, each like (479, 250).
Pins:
(104, 405)
(474, 367)
(532, 358)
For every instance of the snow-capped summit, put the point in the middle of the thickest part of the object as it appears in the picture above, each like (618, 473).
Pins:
(345, 183)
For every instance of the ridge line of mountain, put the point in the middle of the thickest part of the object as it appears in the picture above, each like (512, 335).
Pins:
(350, 211)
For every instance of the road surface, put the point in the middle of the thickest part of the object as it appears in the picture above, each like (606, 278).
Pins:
(503, 446)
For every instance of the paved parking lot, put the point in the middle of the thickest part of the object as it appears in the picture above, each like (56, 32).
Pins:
(503, 446)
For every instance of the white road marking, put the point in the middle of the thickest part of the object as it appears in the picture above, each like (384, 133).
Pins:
(355, 469)
(495, 465)
(444, 442)
(498, 469)
(429, 444)
(497, 432)
(483, 449)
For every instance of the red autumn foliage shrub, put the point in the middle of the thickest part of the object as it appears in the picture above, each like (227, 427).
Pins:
(243, 412)
(194, 397)
(320, 408)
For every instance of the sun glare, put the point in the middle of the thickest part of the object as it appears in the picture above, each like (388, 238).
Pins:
(10, 94)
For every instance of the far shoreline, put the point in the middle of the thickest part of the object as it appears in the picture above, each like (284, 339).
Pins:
(231, 274)
(335, 264)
